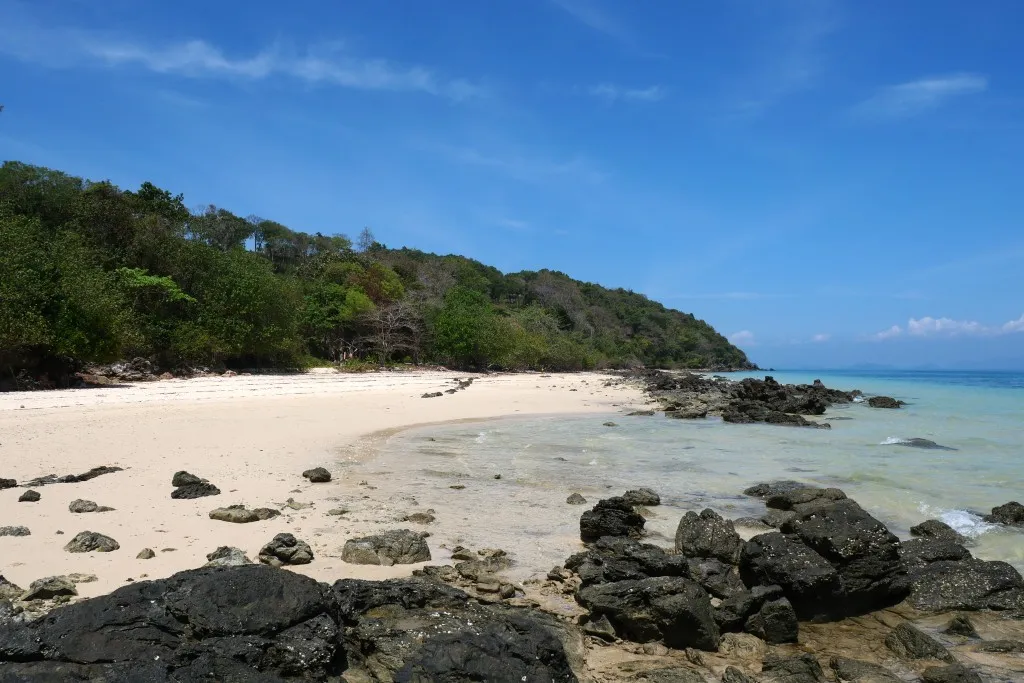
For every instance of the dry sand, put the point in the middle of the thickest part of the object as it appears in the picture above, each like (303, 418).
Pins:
(252, 436)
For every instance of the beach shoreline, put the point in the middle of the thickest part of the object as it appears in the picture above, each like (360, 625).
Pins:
(252, 436)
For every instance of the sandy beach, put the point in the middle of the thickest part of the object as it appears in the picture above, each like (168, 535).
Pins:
(252, 436)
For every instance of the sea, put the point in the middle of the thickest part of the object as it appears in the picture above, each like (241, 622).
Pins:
(975, 421)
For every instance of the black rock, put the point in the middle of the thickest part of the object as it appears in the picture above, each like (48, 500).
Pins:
(774, 623)
(610, 517)
(7, 484)
(774, 488)
(89, 541)
(863, 552)
(619, 559)
(954, 673)
(961, 625)
(642, 496)
(811, 584)
(966, 585)
(1011, 513)
(734, 675)
(927, 444)
(73, 478)
(919, 552)
(733, 612)
(15, 531)
(719, 579)
(183, 478)
(285, 549)
(576, 499)
(856, 671)
(317, 475)
(933, 528)
(29, 497)
(802, 499)
(801, 669)
(776, 518)
(884, 402)
(672, 674)
(910, 642)
(672, 609)
(707, 535)
(199, 490)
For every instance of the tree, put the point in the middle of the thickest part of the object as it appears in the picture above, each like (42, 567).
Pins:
(366, 240)
(392, 328)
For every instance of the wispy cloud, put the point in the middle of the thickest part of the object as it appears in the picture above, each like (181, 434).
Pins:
(593, 16)
(947, 327)
(67, 48)
(743, 338)
(524, 167)
(819, 338)
(916, 97)
(615, 93)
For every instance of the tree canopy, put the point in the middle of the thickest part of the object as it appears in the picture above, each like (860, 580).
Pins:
(91, 273)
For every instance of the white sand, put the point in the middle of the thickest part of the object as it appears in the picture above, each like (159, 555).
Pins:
(252, 436)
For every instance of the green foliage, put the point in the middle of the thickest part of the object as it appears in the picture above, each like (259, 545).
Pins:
(90, 272)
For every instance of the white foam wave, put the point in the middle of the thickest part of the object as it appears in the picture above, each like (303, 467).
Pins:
(893, 441)
(859, 399)
(962, 521)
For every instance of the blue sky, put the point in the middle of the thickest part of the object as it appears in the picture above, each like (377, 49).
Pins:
(829, 182)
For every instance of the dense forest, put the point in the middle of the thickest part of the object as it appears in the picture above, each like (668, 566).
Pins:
(90, 273)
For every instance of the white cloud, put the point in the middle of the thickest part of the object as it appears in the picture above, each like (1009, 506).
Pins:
(915, 97)
(614, 93)
(588, 13)
(743, 337)
(819, 338)
(68, 48)
(947, 327)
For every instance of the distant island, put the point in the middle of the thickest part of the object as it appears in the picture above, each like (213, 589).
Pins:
(94, 273)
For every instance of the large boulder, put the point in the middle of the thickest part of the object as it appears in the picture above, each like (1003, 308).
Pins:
(89, 541)
(610, 517)
(935, 529)
(285, 549)
(860, 548)
(672, 609)
(619, 559)
(807, 579)
(708, 535)
(775, 622)
(399, 546)
(966, 585)
(1011, 514)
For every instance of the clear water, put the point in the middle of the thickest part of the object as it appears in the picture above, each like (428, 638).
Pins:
(707, 463)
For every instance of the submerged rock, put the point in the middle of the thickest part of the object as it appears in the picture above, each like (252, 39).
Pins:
(89, 541)
(400, 546)
(1011, 514)
(884, 402)
(576, 499)
(610, 517)
(933, 528)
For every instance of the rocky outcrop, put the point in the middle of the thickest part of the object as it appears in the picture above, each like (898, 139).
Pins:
(189, 486)
(285, 549)
(884, 402)
(671, 609)
(400, 546)
(239, 514)
(49, 588)
(935, 529)
(610, 517)
(613, 559)
(317, 475)
(1011, 514)
(966, 585)
(90, 541)
(73, 478)
(707, 535)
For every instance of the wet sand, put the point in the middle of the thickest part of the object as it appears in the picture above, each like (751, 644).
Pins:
(252, 436)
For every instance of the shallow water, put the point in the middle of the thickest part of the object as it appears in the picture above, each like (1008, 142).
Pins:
(707, 463)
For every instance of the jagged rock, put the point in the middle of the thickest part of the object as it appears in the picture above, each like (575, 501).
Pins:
(797, 499)
(239, 514)
(856, 671)
(14, 531)
(910, 642)
(29, 496)
(317, 475)
(672, 609)
(7, 484)
(919, 552)
(774, 488)
(81, 506)
(618, 559)
(190, 491)
(961, 625)
(734, 611)
(89, 541)
(610, 517)
(966, 585)
(73, 478)
(954, 673)
(800, 669)
(285, 549)
(642, 496)
(226, 556)
(145, 554)
(863, 552)
(183, 478)
(811, 584)
(707, 535)
(884, 402)
(49, 588)
(399, 546)
(1011, 514)
(774, 623)
(576, 499)
(716, 577)
(8, 590)
(941, 531)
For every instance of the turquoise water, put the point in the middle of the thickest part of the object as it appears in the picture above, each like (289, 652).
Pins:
(707, 463)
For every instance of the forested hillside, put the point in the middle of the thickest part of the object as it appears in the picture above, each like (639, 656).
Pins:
(92, 273)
